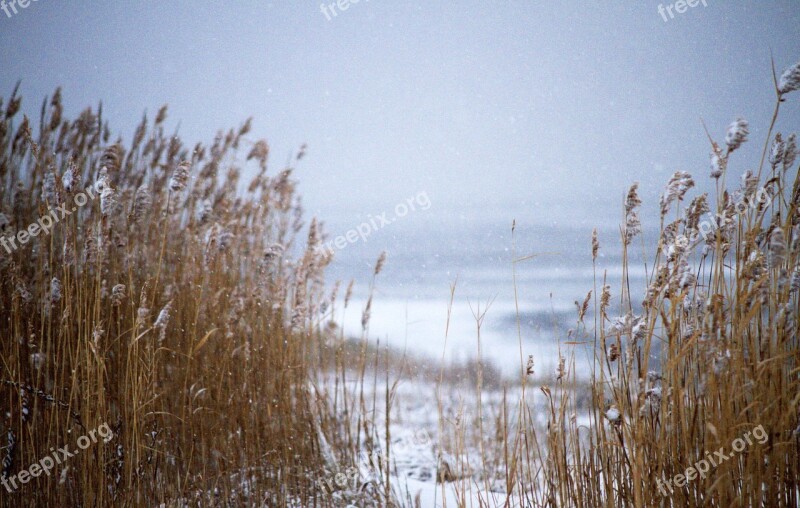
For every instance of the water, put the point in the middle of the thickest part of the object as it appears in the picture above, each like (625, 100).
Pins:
(426, 254)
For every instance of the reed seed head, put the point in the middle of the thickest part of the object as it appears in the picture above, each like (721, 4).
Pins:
(737, 134)
(790, 80)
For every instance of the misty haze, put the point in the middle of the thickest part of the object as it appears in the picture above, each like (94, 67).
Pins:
(399, 254)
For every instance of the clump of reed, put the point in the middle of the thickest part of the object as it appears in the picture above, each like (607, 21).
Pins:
(180, 307)
(703, 359)
(704, 354)
(187, 310)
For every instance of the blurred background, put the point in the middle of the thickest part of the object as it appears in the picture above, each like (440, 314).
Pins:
(538, 112)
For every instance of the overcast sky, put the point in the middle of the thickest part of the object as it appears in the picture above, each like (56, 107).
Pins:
(542, 110)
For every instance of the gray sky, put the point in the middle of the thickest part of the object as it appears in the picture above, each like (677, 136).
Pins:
(541, 110)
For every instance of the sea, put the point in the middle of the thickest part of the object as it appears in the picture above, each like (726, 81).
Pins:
(501, 310)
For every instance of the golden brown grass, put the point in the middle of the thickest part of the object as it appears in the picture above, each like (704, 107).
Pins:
(710, 354)
(180, 307)
(189, 312)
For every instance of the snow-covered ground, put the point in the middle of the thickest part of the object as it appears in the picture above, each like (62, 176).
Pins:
(423, 448)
